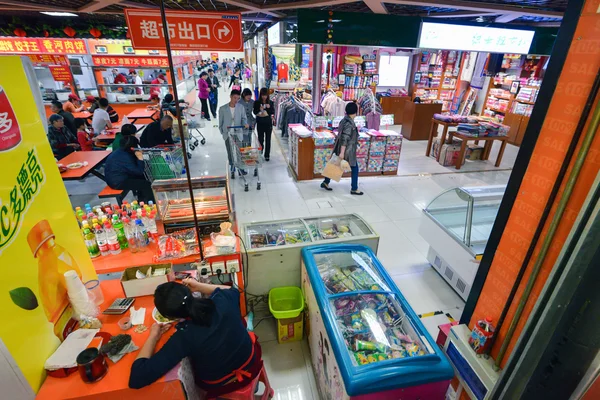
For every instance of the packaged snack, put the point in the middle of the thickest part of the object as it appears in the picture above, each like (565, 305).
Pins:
(412, 349)
(360, 345)
(399, 353)
(375, 357)
(361, 358)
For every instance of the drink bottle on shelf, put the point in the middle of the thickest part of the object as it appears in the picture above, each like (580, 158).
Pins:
(130, 234)
(101, 240)
(111, 237)
(90, 242)
(120, 230)
(140, 237)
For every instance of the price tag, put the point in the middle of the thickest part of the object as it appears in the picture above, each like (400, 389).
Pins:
(360, 122)
(336, 122)
(386, 120)
(321, 122)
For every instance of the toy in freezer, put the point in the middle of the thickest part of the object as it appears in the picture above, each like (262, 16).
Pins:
(375, 164)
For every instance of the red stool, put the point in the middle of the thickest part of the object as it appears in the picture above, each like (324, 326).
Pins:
(247, 392)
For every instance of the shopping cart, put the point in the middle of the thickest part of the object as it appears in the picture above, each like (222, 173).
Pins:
(163, 162)
(246, 153)
(193, 136)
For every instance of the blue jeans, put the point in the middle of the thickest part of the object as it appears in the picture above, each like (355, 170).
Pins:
(353, 178)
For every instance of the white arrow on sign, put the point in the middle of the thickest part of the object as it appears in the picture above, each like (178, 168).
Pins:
(224, 31)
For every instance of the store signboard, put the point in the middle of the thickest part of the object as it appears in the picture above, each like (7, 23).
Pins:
(60, 73)
(274, 34)
(188, 30)
(142, 62)
(48, 59)
(474, 38)
(39, 235)
(10, 45)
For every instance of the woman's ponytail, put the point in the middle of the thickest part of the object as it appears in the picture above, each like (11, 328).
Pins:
(200, 310)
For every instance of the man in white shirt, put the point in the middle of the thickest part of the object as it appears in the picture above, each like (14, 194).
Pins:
(137, 80)
(101, 119)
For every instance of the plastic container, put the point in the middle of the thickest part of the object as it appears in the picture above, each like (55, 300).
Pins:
(95, 291)
(124, 323)
(286, 305)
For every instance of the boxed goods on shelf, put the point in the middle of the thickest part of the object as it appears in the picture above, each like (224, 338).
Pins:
(375, 164)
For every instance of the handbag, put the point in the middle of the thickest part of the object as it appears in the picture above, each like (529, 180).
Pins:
(333, 169)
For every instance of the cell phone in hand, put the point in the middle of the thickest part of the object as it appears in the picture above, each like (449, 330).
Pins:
(182, 275)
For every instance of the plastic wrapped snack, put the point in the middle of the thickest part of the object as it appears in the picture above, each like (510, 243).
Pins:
(177, 245)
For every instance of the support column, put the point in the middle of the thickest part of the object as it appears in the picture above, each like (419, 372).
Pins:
(317, 75)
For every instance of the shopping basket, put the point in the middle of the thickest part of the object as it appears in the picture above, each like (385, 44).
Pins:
(246, 153)
(163, 162)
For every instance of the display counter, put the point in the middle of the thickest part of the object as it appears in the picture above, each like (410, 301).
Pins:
(365, 339)
(457, 225)
(378, 152)
(274, 247)
(416, 121)
(115, 385)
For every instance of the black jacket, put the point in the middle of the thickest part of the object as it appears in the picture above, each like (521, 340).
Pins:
(69, 120)
(153, 136)
(122, 165)
(59, 139)
(270, 111)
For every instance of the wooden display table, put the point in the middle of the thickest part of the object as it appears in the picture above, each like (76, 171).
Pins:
(433, 133)
(487, 148)
(417, 119)
(115, 385)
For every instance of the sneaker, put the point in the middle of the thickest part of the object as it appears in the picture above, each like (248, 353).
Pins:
(325, 186)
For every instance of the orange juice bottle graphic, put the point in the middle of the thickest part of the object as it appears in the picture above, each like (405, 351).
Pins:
(53, 261)
(10, 134)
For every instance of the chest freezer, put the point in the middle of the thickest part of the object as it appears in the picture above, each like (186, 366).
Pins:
(273, 247)
(365, 340)
(457, 225)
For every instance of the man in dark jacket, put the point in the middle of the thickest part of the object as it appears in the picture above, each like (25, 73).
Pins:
(158, 132)
(62, 140)
(57, 108)
(124, 170)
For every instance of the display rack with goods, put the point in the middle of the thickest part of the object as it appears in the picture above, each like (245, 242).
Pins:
(359, 75)
(437, 77)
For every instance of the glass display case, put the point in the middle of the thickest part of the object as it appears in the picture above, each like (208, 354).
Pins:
(211, 196)
(468, 214)
(365, 339)
(273, 247)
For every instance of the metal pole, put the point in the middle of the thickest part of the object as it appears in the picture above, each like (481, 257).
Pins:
(178, 116)
(317, 74)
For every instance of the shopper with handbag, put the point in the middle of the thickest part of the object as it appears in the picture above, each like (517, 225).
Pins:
(265, 116)
(345, 147)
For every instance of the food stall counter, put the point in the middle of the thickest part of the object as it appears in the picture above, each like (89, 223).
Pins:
(115, 385)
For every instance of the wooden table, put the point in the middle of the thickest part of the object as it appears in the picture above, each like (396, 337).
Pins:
(110, 134)
(83, 115)
(141, 113)
(115, 384)
(487, 148)
(93, 158)
(433, 133)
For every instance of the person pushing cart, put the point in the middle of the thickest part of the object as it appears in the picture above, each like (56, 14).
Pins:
(231, 114)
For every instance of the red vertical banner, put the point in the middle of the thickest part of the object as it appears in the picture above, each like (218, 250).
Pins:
(60, 74)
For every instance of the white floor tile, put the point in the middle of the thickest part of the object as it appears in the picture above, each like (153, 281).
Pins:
(410, 229)
(371, 213)
(399, 210)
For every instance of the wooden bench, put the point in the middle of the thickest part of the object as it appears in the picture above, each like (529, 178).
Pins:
(116, 193)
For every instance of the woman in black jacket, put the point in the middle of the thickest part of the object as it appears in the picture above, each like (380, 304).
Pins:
(265, 116)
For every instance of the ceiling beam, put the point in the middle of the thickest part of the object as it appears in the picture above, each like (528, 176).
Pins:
(97, 5)
(306, 4)
(251, 7)
(482, 7)
(376, 6)
(133, 4)
(507, 17)
(459, 14)
(20, 5)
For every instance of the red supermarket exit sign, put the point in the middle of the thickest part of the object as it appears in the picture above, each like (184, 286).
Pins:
(188, 30)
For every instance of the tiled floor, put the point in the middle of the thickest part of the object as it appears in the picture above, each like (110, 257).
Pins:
(391, 205)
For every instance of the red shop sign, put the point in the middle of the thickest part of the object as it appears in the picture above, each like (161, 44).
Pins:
(60, 74)
(142, 62)
(188, 30)
(47, 46)
(48, 59)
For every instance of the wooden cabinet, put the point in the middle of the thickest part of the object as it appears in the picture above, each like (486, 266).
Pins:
(417, 120)
(395, 105)
(518, 126)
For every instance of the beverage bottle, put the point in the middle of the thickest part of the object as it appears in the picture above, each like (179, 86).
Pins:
(101, 240)
(53, 261)
(152, 226)
(120, 230)
(111, 237)
(130, 235)
(481, 335)
(90, 242)
(79, 214)
(140, 237)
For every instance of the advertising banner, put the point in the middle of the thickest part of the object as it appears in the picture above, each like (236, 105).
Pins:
(188, 30)
(39, 236)
(60, 74)
(42, 46)
(48, 59)
(142, 62)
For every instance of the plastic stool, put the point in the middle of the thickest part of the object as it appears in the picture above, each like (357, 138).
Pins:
(247, 392)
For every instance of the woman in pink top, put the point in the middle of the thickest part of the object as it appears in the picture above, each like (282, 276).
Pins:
(203, 92)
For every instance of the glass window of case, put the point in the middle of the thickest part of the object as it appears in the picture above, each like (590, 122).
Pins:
(348, 272)
(337, 227)
(375, 328)
(277, 234)
(468, 213)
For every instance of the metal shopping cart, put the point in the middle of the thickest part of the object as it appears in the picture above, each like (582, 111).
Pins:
(163, 162)
(193, 135)
(246, 153)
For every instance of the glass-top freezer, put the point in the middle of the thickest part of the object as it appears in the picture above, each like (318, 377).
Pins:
(467, 214)
(378, 341)
(341, 226)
